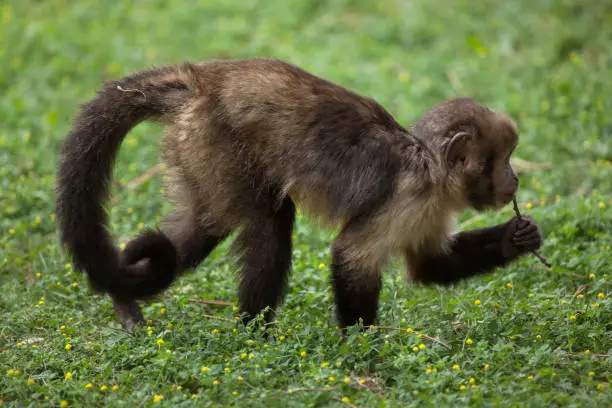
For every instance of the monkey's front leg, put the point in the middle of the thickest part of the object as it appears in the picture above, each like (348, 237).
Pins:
(477, 252)
(356, 289)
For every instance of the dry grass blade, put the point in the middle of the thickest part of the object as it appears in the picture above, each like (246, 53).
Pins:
(424, 336)
(211, 302)
(225, 319)
(518, 214)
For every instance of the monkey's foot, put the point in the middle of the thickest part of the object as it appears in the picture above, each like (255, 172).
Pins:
(129, 313)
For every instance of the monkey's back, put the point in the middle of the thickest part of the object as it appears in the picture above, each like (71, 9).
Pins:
(260, 129)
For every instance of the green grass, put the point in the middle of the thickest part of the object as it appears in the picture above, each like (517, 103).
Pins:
(527, 336)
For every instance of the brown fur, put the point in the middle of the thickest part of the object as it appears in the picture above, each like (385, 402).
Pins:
(248, 140)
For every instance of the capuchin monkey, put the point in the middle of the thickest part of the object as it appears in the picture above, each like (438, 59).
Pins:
(249, 140)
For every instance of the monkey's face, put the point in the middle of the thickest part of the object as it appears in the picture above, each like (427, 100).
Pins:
(478, 154)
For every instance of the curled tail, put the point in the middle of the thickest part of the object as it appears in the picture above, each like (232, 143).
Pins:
(149, 263)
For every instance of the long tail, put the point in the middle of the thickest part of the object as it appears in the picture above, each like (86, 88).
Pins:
(149, 263)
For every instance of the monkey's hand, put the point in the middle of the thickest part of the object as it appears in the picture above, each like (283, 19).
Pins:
(522, 235)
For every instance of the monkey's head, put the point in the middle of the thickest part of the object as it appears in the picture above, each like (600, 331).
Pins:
(475, 145)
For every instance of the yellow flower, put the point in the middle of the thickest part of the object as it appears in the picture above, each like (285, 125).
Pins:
(415, 348)
(531, 295)
(162, 310)
(580, 296)
(595, 304)
(157, 398)
(347, 380)
(600, 295)
(529, 206)
(75, 284)
(243, 355)
(160, 342)
(403, 320)
(11, 231)
(103, 388)
(338, 363)
(38, 275)
(477, 302)
(281, 338)
(455, 366)
(462, 387)
(331, 379)
(324, 364)
(472, 380)
(227, 369)
(64, 403)
(421, 346)
(361, 381)
(530, 377)
(170, 325)
(215, 382)
(600, 386)
(509, 285)
(67, 266)
(235, 308)
(538, 337)
(68, 346)
(234, 392)
(587, 351)
(468, 341)
(303, 353)
(215, 331)
(31, 381)
(591, 373)
(240, 378)
(409, 330)
(591, 275)
(115, 387)
(89, 386)
(573, 317)
(346, 400)
(473, 385)
(251, 355)
(122, 246)
(62, 327)
(140, 225)
(204, 369)
(601, 204)
(68, 376)
(321, 265)
(486, 367)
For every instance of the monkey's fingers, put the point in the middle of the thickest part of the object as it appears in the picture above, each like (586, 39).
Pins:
(531, 229)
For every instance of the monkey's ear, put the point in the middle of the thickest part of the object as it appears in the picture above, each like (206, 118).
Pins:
(456, 152)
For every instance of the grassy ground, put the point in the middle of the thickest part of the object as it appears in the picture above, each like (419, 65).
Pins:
(524, 336)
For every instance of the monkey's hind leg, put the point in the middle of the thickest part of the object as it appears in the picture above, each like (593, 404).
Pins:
(265, 247)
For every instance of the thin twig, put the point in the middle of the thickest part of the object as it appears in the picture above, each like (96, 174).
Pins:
(144, 177)
(567, 353)
(211, 302)
(518, 214)
(132, 90)
(432, 339)
(303, 389)
(218, 318)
